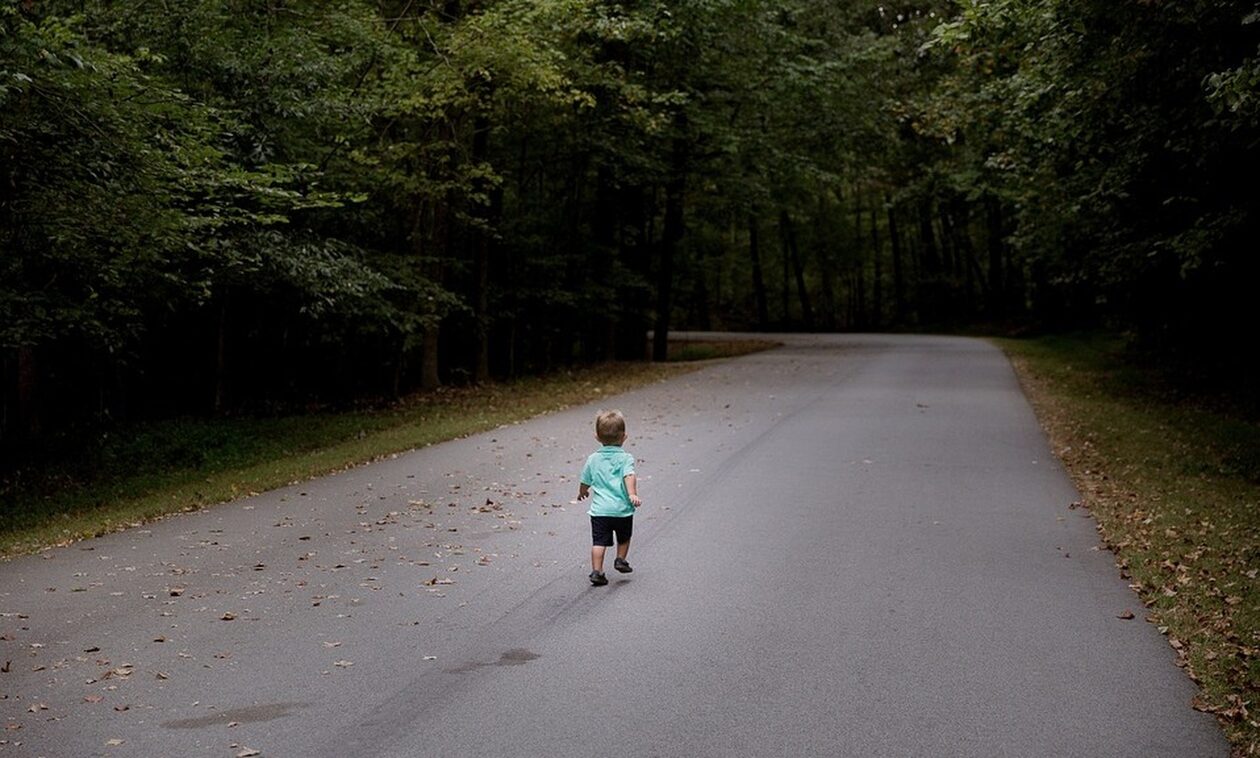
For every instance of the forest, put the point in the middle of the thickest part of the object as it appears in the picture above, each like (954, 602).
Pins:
(216, 207)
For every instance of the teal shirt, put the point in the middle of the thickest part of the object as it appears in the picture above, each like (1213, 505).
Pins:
(605, 473)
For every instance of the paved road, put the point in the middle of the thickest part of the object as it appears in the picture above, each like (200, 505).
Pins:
(850, 546)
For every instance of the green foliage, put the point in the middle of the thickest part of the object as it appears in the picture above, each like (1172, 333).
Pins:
(429, 192)
(1097, 121)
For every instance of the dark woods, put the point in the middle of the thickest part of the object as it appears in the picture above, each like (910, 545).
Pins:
(226, 206)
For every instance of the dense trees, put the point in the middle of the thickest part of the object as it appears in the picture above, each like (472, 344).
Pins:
(227, 205)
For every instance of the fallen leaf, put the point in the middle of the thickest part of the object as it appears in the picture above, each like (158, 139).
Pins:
(344, 664)
(228, 616)
(37, 707)
(121, 708)
(114, 742)
(1126, 615)
(93, 698)
(250, 752)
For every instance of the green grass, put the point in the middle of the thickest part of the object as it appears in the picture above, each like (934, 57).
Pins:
(1172, 477)
(703, 350)
(84, 487)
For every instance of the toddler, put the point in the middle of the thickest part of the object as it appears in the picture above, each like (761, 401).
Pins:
(608, 478)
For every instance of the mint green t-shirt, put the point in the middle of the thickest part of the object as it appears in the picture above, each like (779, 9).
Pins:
(605, 473)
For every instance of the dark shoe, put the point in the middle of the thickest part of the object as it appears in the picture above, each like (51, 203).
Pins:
(621, 565)
(598, 579)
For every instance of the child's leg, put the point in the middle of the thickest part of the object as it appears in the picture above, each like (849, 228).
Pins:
(625, 529)
(597, 557)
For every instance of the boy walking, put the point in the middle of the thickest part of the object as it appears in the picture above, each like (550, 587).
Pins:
(608, 477)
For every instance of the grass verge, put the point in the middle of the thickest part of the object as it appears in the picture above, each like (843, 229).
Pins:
(708, 349)
(1173, 481)
(90, 487)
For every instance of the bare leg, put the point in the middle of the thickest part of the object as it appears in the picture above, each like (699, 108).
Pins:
(623, 549)
(597, 557)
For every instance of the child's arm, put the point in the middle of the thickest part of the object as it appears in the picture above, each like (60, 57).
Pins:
(632, 491)
(584, 489)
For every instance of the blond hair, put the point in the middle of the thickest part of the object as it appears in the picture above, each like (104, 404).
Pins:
(610, 427)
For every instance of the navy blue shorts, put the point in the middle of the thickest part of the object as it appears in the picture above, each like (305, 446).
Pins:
(604, 527)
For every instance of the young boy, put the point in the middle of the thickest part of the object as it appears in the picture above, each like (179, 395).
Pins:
(608, 477)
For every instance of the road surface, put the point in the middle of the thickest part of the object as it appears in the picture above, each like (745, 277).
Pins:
(849, 546)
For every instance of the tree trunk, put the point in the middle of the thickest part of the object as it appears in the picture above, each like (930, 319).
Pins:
(28, 415)
(759, 284)
(634, 245)
(429, 379)
(827, 267)
(945, 242)
(929, 293)
(670, 237)
(877, 315)
(786, 279)
(927, 239)
(996, 245)
(604, 229)
(967, 250)
(220, 359)
(437, 232)
(703, 307)
(859, 265)
(481, 259)
(798, 269)
(899, 283)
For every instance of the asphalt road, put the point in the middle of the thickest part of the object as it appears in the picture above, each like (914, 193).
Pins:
(849, 546)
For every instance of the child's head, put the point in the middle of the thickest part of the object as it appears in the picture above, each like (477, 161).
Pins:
(610, 427)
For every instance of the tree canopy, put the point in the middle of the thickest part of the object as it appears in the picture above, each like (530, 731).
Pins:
(229, 205)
